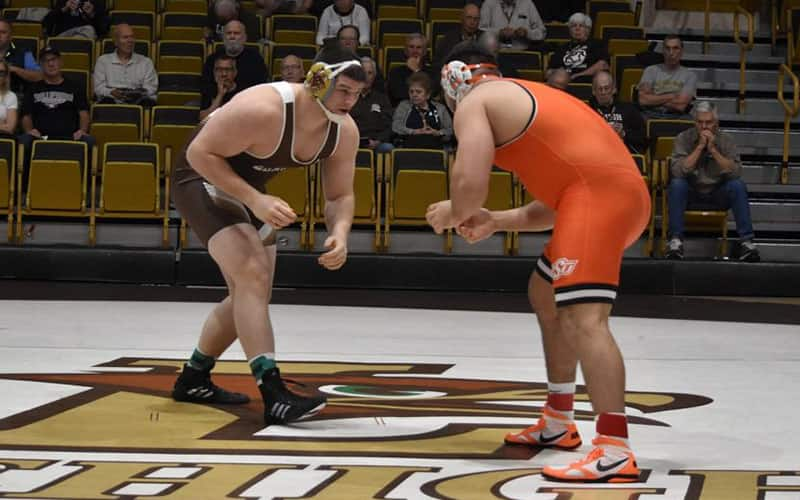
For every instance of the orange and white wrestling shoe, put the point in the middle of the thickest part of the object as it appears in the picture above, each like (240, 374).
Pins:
(611, 461)
(552, 431)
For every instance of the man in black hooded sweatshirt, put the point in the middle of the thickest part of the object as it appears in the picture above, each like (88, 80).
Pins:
(623, 117)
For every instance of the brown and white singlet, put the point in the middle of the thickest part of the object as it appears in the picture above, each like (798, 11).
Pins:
(208, 209)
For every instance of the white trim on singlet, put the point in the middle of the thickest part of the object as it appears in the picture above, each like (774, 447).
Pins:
(287, 96)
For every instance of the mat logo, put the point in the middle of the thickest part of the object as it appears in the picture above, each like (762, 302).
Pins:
(405, 415)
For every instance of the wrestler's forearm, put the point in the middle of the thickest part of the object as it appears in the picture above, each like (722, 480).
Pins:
(339, 215)
(534, 216)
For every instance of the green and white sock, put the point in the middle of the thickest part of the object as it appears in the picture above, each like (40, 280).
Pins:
(201, 360)
(261, 364)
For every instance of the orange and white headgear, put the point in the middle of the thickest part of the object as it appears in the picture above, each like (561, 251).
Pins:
(457, 78)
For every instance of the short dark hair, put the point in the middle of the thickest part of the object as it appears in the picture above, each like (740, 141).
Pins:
(332, 53)
(351, 26)
(470, 52)
(225, 57)
(673, 37)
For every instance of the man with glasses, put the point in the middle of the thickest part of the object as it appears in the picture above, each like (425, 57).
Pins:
(292, 69)
(470, 20)
(623, 117)
(225, 79)
(250, 66)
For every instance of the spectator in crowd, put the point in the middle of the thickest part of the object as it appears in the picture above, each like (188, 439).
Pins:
(221, 12)
(623, 117)
(582, 56)
(55, 108)
(705, 170)
(77, 18)
(251, 69)
(292, 69)
(341, 13)
(469, 30)
(516, 22)
(558, 78)
(22, 63)
(319, 7)
(489, 41)
(269, 7)
(214, 96)
(667, 90)
(416, 52)
(373, 113)
(348, 36)
(420, 122)
(123, 76)
(8, 103)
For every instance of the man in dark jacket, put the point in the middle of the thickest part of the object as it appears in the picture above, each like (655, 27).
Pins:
(623, 117)
(470, 20)
(373, 114)
(251, 69)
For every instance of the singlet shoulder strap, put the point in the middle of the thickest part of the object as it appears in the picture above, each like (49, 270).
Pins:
(285, 90)
(332, 142)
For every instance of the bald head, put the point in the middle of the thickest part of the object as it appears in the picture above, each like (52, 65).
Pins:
(124, 39)
(558, 78)
(603, 88)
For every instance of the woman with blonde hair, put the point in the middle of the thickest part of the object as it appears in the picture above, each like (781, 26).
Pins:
(8, 102)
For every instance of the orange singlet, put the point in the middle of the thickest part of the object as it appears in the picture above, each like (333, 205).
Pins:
(571, 160)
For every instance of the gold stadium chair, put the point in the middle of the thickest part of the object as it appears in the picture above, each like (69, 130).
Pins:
(501, 197)
(527, 63)
(297, 29)
(21, 4)
(81, 77)
(627, 46)
(610, 31)
(57, 183)
(295, 186)
(182, 25)
(415, 179)
(170, 127)
(647, 177)
(606, 19)
(26, 28)
(180, 56)
(390, 31)
(106, 46)
(143, 23)
(445, 14)
(695, 218)
(594, 7)
(629, 83)
(131, 185)
(140, 5)
(367, 189)
(76, 53)
(115, 123)
(397, 9)
(661, 134)
(8, 183)
(27, 44)
(186, 6)
(178, 89)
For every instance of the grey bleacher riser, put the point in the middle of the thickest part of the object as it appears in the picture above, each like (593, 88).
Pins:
(760, 50)
(760, 174)
(761, 142)
(775, 212)
(728, 79)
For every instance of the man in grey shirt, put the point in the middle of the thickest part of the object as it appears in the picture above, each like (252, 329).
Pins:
(667, 90)
(705, 172)
(123, 76)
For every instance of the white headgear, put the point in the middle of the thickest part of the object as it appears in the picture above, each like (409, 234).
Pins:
(457, 78)
(320, 81)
